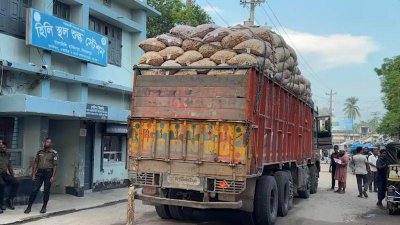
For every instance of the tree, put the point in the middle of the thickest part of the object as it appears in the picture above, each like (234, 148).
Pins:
(372, 123)
(389, 74)
(174, 12)
(351, 109)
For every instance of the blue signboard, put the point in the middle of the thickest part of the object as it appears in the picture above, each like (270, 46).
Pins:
(54, 34)
(342, 124)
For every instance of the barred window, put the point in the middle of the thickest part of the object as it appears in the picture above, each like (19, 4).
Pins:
(61, 10)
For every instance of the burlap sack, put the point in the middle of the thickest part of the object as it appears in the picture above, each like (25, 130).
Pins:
(235, 38)
(243, 59)
(207, 50)
(241, 72)
(288, 64)
(263, 33)
(223, 56)
(151, 58)
(277, 40)
(182, 31)
(285, 75)
(171, 53)
(189, 57)
(222, 71)
(255, 47)
(296, 70)
(292, 52)
(191, 44)
(150, 72)
(281, 54)
(203, 29)
(264, 63)
(171, 63)
(203, 62)
(186, 72)
(152, 44)
(217, 35)
(170, 40)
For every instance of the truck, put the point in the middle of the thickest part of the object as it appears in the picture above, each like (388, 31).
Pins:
(237, 141)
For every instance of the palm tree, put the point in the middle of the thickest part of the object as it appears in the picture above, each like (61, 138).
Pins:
(351, 109)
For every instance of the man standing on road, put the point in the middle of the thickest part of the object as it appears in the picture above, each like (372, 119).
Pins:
(372, 163)
(381, 177)
(43, 171)
(341, 171)
(6, 177)
(360, 164)
(332, 166)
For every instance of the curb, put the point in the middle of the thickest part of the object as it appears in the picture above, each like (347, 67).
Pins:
(64, 212)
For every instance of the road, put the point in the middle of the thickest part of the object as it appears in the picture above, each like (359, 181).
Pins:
(323, 208)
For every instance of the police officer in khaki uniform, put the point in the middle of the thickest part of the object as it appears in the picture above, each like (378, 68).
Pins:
(6, 177)
(43, 171)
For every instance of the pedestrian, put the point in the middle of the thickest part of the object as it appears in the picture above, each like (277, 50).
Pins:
(361, 171)
(326, 156)
(341, 170)
(332, 166)
(43, 171)
(6, 178)
(381, 177)
(372, 164)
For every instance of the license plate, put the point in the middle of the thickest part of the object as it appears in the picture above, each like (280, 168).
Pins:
(182, 182)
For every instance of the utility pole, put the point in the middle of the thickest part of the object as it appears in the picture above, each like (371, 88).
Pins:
(253, 4)
(331, 94)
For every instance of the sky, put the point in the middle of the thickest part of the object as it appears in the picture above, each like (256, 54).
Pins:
(340, 43)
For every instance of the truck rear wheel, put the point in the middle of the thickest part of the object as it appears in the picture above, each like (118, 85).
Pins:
(306, 193)
(313, 179)
(163, 211)
(291, 188)
(178, 212)
(283, 184)
(266, 201)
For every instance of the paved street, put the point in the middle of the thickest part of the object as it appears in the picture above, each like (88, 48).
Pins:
(323, 208)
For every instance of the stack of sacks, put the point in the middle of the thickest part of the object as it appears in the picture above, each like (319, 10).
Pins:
(210, 45)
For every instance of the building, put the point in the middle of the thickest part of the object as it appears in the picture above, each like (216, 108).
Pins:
(81, 103)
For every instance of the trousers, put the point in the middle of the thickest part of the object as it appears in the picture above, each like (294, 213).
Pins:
(42, 176)
(7, 179)
(381, 183)
(372, 179)
(333, 177)
(362, 181)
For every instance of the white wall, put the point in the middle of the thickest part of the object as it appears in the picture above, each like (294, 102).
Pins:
(58, 90)
(13, 49)
(113, 99)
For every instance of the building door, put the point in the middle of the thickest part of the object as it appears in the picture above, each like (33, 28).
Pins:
(89, 156)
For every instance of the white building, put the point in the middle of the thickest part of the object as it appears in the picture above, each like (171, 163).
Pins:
(48, 94)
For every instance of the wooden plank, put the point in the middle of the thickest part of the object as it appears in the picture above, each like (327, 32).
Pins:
(192, 81)
(191, 102)
(239, 92)
(189, 113)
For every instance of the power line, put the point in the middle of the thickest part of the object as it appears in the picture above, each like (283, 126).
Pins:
(305, 64)
(216, 12)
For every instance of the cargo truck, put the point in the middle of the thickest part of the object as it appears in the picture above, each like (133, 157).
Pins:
(233, 141)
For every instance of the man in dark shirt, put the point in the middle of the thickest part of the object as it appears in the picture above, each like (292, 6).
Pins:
(381, 177)
(6, 177)
(332, 167)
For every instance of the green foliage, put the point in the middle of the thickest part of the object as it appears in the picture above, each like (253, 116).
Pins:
(351, 109)
(389, 74)
(372, 123)
(174, 12)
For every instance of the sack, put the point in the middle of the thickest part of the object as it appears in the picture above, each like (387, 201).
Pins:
(216, 35)
(203, 62)
(170, 40)
(262, 33)
(223, 56)
(255, 47)
(151, 58)
(191, 44)
(171, 53)
(203, 29)
(277, 40)
(182, 31)
(222, 71)
(243, 59)
(264, 63)
(189, 57)
(235, 38)
(281, 54)
(152, 44)
(150, 72)
(186, 72)
(170, 63)
(207, 50)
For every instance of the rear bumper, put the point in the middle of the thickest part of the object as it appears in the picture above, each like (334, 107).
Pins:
(186, 203)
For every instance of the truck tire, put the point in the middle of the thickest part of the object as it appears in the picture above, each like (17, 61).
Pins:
(313, 179)
(283, 184)
(291, 186)
(178, 212)
(266, 201)
(163, 211)
(306, 193)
